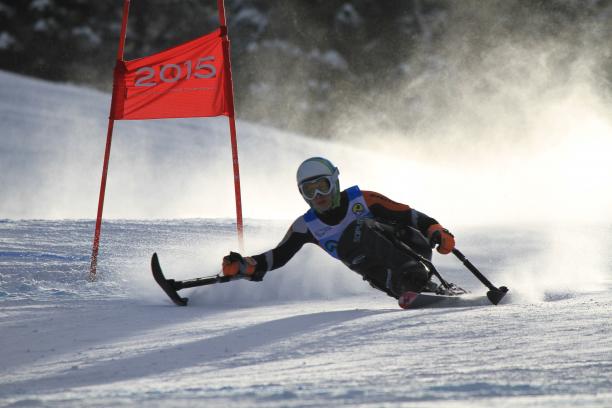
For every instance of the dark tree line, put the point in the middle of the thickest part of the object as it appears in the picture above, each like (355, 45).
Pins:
(298, 64)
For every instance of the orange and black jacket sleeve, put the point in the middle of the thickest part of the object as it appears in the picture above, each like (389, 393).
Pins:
(388, 211)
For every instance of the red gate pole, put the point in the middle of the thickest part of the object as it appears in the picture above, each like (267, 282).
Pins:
(229, 90)
(109, 138)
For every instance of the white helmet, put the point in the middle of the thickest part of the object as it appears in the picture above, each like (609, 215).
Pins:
(316, 167)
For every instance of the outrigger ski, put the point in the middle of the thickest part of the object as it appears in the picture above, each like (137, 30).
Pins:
(168, 285)
(171, 286)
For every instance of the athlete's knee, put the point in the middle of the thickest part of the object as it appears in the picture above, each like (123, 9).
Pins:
(411, 277)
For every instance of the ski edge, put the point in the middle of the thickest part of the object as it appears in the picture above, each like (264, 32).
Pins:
(413, 300)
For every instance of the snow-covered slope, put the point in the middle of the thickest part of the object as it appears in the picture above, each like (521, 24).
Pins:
(312, 333)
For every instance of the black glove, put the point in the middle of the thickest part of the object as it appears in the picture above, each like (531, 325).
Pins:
(238, 266)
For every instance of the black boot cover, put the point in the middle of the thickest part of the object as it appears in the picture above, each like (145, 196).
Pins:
(371, 249)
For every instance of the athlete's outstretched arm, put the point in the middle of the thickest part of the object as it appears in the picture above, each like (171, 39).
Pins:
(297, 235)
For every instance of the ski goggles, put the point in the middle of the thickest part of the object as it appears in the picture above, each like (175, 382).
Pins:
(322, 185)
